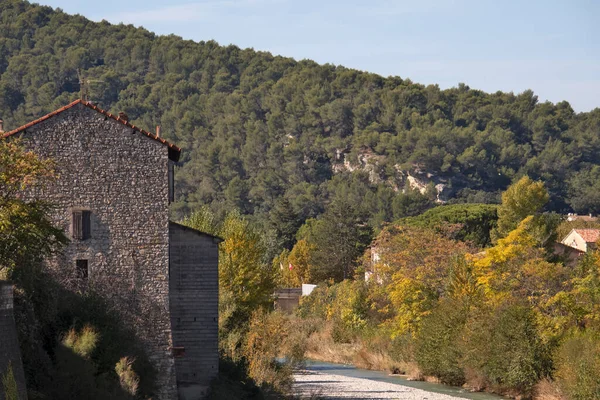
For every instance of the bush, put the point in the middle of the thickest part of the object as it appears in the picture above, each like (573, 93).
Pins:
(9, 384)
(578, 366)
(503, 346)
(437, 350)
(345, 304)
(265, 342)
(402, 348)
(82, 343)
(129, 379)
(341, 333)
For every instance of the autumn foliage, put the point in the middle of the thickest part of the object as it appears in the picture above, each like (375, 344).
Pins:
(500, 318)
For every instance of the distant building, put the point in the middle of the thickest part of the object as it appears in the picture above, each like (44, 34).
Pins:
(307, 289)
(375, 259)
(588, 218)
(287, 299)
(582, 239)
(569, 255)
(111, 196)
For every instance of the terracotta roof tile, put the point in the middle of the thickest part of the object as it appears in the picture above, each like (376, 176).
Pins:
(174, 151)
(589, 235)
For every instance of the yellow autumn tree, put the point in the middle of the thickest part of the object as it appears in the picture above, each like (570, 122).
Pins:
(26, 232)
(413, 266)
(245, 276)
(295, 266)
(516, 267)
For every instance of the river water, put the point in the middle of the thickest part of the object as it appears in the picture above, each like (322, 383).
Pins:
(353, 372)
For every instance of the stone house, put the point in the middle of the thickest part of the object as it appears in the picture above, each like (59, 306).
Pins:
(112, 193)
(582, 239)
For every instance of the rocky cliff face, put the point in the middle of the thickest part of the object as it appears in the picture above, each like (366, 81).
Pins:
(374, 165)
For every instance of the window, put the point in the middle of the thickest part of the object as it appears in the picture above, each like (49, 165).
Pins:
(178, 352)
(82, 268)
(82, 228)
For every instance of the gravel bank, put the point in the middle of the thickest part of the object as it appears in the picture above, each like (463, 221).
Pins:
(319, 385)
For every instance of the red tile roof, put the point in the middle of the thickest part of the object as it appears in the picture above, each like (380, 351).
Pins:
(589, 235)
(174, 151)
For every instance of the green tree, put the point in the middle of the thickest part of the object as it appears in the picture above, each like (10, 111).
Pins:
(467, 222)
(285, 222)
(523, 198)
(584, 191)
(339, 238)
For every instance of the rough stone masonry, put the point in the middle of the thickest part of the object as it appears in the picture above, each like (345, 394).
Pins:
(10, 355)
(112, 197)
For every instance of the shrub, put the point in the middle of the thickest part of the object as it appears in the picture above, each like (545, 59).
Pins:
(503, 345)
(578, 366)
(340, 332)
(402, 348)
(83, 342)
(9, 384)
(129, 379)
(437, 350)
(316, 304)
(267, 334)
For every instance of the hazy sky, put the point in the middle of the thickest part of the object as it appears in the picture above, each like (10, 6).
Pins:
(551, 47)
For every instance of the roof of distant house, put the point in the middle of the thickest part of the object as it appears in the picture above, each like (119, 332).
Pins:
(589, 235)
(576, 217)
(174, 151)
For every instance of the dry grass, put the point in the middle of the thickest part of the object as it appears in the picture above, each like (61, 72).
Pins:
(321, 347)
(547, 390)
(474, 380)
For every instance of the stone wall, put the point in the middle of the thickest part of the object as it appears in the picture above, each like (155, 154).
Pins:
(194, 294)
(10, 354)
(121, 177)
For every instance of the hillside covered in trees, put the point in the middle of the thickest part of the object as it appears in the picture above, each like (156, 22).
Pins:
(263, 133)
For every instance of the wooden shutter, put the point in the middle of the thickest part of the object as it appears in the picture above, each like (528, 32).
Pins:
(86, 226)
(78, 225)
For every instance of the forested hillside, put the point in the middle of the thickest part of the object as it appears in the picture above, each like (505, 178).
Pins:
(263, 132)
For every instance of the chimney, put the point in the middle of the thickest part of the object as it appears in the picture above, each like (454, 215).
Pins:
(1, 126)
(157, 130)
(123, 116)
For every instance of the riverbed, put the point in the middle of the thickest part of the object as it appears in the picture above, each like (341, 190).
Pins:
(321, 380)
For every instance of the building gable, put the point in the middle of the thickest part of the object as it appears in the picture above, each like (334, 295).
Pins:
(582, 239)
(174, 151)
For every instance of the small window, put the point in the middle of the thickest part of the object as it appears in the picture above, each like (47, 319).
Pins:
(82, 268)
(178, 352)
(82, 227)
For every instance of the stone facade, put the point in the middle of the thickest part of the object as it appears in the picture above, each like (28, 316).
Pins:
(119, 175)
(9, 344)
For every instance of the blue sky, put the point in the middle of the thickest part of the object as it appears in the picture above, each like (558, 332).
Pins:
(551, 47)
